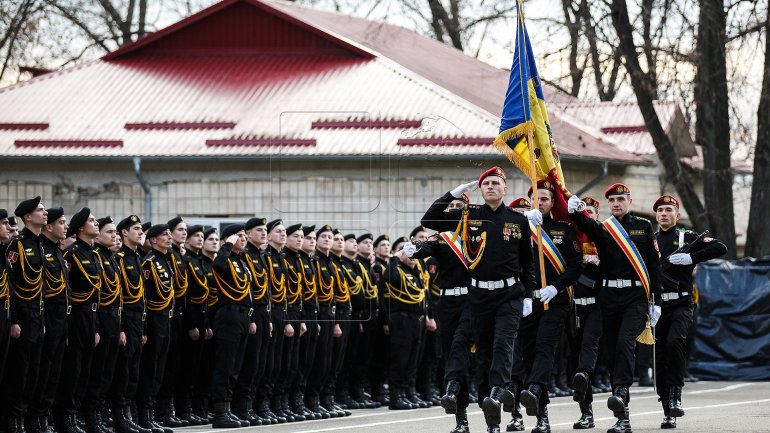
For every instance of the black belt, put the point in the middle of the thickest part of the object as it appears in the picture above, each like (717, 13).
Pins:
(93, 306)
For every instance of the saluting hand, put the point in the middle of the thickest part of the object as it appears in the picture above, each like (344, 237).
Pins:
(460, 189)
(232, 239)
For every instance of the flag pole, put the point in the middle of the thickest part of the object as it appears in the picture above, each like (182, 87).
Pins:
(533, 172)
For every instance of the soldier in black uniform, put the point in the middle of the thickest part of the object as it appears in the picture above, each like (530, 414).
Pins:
(623, 297)
(159, 298)
(109, 324)
(291, 402)
(5, 294)
(27, 290)
(422, 390)
(232, 323)
(310, 307)
(126, 378)
(677, 279)
(587, 319)
(343, 317)
(540, 332)
(363, 356)
(174, 369)
(87, 282)
(500, 280)
(57, 299)
(253, 381)
(195, 323)
(381, 353)
(202, 389)
(350, 276)
(13, 223)
(456, 335)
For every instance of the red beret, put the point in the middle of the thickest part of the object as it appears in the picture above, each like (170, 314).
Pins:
(494, 171)
(590, 201)
(520, 202)
(616, 189)
(665, 200)
(543, 184)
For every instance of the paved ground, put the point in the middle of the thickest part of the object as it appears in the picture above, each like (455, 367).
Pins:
(710, 407)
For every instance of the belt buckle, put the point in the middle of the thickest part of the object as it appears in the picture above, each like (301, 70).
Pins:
(251, 311)
(170, 313)
(94, 307)
(619, 283)
(69, 309)
(144, 315)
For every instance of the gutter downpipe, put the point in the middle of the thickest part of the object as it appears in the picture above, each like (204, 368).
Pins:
(594, 181)
(145, 187)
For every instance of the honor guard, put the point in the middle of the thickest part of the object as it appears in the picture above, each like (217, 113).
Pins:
(342, 316)
(159, 297)
(378, 369)
(586, 323)
(352, 279)
(369, 325)
(630, 273)
(291, 401)
(27, 290)
(203, 383)
(310, 307)
(541, 331)
(57, 299)
(232, 322)
(680, 251)
(87, 282)
(500, 281)
(126, 378)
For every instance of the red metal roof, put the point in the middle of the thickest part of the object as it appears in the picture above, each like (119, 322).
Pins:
(177, 86)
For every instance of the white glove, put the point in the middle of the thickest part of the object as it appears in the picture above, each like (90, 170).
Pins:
(573, 204)
(535, 216)
(527, 310)
(654, 315)
(680, 259)
(409, 249)
(458, 192)
(548, 293)
(592, 259)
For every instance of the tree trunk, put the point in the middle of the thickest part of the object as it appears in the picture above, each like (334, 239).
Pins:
(667, 153)
(758, 236)
(712, 125)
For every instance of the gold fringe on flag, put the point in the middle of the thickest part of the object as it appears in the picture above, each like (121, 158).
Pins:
(521, 161)
(646, 336)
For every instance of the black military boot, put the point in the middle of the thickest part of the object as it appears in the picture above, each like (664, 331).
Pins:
(119, 421)
(491, 407)
(126, 410)
(580, 384)
(242, 410)
(340, 411)
(229, 412)
(449, 399)
(92, 422)
(297, 405)
(517, 421)
(586, 420)
(415, 399)
(287, 409)
(221, 419)
(668, 420)
(509, 397)
(623, 425)
(617, 401)
(530, 398)
(156, 424)
(315, 406)
(675, 401)
(45, 427)
(543, 425)
(461, 418)
(164, 416)
(146, 421)
(397, 400)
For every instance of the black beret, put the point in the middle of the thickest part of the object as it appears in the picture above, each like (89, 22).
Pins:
(335, 232)
(78, 220)
(157, 229)
(208, 232)
(128, 222)
(325, 228)
(146, 226)
(416, 230)
(308, 229)
(398, 241)
(173, 222)
(349, 236)
(104, 221)
(273, 224)
(364, 237)
(4, 214)
(381, 238)
(255, 222)
(27, 206)
(294, 228)
(54, 214)
(194, 229)
(12, 221)
(232, 229)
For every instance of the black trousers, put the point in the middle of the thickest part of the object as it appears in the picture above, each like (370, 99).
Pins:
(174, 368)
(428, 362)
(379, 365)
(154, 354)
(254, 359)
(78, 356)
(621, 327)
(339, 346)
(584, 347)
(23, 361)
(456, 342)
(191, 356)
(231, 326)
(671, 351)
(290, 365)
(355, 333)
(275, 381)
(126, 378)
(362, 357)
(321, 369)
(5, 329)
(104, 358)
(405, 332)
(51, 360)
(307, 348)
(495, 327)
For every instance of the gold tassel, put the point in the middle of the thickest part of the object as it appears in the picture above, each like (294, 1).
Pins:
(501, 144)
(646, 336)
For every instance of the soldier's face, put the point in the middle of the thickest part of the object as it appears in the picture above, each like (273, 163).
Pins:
(295, 240)
(351, 246)
(179, 234)
(5, 231)
(211, 244)
(134, 235)
(383, 249)
(108, 235)
(339, 244)
(257, 235)
(592, 212)
(308, 244)
(455, 204)
(58, 229)
(90, 229)
(544, 201)
(240, 244)
(365, 247)
(39, 216)
(619, 204)
(278, 235)
(195, 241)
(420, 236)
(667, 215)
(325, 241)
(162, 241)
(493, 189)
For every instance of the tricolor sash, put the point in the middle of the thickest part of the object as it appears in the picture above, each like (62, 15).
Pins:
(455, 245)
(625, 243)
(550, 250)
